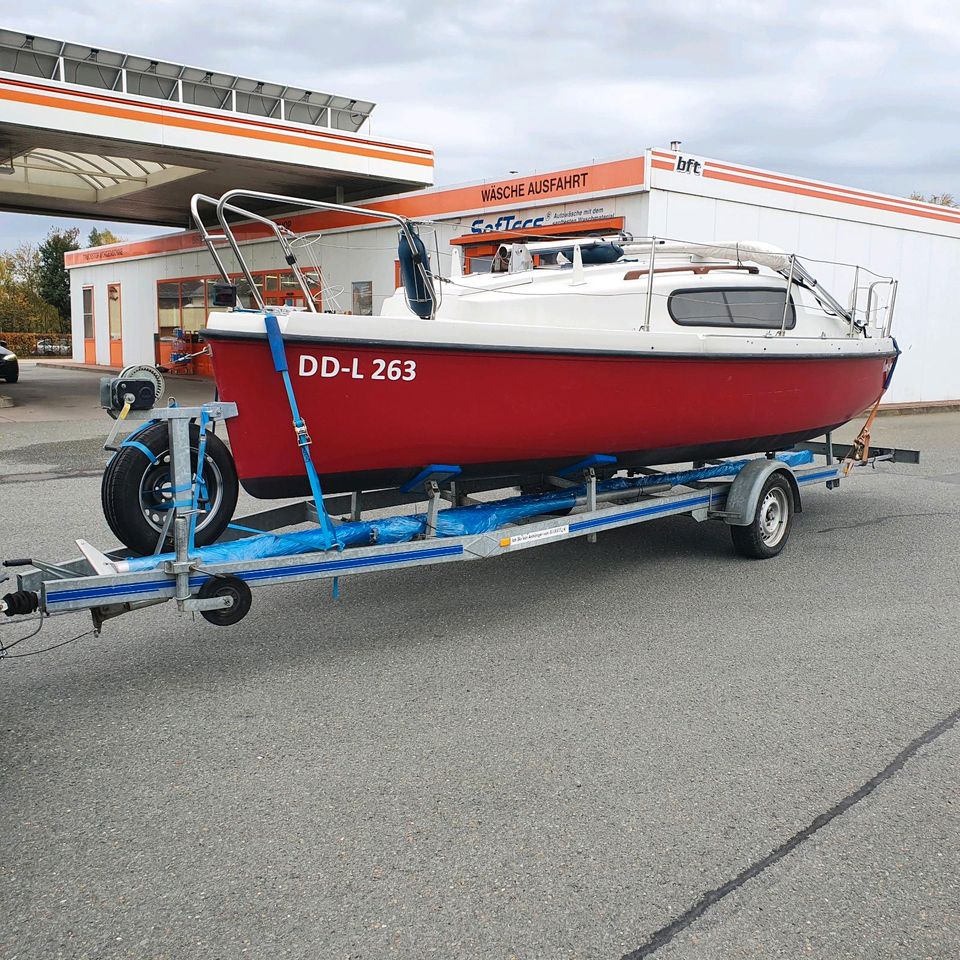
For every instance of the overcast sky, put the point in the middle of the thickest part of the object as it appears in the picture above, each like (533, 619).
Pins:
(864, 94)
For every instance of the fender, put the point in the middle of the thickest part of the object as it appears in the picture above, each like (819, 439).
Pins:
(744, 495)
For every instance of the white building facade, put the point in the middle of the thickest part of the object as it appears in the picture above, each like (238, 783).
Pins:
(132, 296)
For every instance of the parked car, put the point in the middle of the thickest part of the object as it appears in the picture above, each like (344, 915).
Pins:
(9, 365)
(52, 348)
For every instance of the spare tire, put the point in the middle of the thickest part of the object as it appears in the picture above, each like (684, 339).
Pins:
(136, 489)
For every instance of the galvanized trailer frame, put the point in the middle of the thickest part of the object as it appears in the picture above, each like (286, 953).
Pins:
(92, 582)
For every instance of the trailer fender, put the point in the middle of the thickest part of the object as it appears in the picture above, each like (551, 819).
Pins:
(744, 495)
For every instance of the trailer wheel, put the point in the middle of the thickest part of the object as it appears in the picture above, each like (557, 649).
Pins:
(766, 535)
(136, 492)
(232, 587)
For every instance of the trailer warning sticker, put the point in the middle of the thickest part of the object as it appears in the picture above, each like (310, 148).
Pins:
(535, 536)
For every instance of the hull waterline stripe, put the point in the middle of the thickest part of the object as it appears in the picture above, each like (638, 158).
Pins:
(294, 338)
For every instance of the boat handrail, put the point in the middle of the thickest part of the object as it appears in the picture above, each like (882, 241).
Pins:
(226, 204)
(366, 213)
(208, 240)
(696, 268)
(891, 302)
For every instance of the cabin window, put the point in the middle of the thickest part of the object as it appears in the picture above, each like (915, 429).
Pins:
(731, 307)
(479, 264)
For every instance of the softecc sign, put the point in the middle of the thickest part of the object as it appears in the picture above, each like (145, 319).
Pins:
(522, 221)
(690, 165)
(506, 222)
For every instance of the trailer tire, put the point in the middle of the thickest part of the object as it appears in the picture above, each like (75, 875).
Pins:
(766, 535)
(135, 489)
(226, 586)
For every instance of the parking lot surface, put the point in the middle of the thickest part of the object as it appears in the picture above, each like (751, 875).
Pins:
(643, 747)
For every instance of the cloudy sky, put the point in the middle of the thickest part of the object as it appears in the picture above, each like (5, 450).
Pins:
(864, 94)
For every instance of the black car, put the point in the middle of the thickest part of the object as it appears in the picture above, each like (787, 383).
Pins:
(9, 366)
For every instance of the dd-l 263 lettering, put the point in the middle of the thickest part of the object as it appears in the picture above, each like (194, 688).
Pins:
(357, 368)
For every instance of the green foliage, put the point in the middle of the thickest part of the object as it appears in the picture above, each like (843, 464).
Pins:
(22, 309)
(53, 280)
(97, 238)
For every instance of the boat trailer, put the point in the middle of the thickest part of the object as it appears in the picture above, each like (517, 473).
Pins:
(756, 497)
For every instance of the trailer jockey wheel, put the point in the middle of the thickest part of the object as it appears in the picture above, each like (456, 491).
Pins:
(137, 492)
(226, 586)
(767, 533)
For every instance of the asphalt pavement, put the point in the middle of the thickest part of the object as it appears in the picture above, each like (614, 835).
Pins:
(644, 747)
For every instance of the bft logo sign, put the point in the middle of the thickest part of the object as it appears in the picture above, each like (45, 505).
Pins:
(689, 165)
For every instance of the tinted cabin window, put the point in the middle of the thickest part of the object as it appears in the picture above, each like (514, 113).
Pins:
(731, 307)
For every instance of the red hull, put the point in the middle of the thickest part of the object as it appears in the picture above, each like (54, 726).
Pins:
(498, 412)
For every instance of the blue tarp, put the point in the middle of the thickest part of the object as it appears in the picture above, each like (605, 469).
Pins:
(454, 522)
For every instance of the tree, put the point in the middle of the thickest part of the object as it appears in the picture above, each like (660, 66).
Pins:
(53, 281)
(97, 238)
(941, 199)
(22, 309)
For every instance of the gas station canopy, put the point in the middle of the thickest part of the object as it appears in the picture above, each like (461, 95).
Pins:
(107, 135)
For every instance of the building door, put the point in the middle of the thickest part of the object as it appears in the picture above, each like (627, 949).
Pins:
(116, 324)
(89, 328)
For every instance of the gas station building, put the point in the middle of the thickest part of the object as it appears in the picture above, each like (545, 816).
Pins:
(134, 139)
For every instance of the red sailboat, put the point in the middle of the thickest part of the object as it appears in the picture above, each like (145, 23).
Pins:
(652, 352)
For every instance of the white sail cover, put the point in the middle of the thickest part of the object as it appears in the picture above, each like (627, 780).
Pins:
(752, 251)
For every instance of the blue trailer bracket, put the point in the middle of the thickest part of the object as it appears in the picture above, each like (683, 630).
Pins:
(108, 586)
(624, 503)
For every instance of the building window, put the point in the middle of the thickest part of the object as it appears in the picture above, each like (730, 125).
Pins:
(88, 313)
(760, 307)
(363, 298)
(187, 303)
(113, 311)
(193, 309)
(168, 308)
(245, 296)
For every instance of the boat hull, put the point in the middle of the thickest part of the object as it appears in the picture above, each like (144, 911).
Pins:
(379, 413)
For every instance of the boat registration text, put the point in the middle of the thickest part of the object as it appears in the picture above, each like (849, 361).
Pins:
(357, 369)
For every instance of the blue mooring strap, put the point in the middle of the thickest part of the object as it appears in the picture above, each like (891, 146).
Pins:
(143, 426)
(198, 484)
(145, 450)
(240, 526)
(279, 354)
